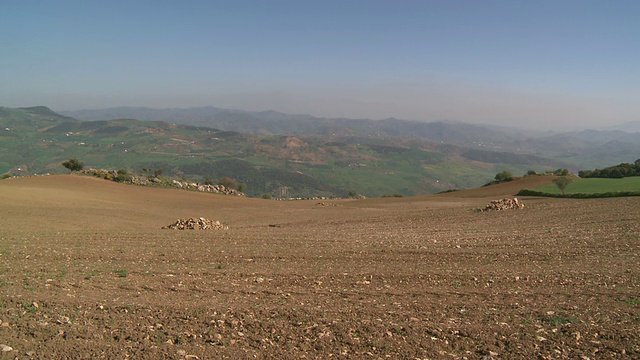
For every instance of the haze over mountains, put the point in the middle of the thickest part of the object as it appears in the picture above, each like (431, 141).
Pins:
(589, 146)
(308, 156)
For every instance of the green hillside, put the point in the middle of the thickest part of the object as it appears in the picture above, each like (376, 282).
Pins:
(595, 186)
(37, 140)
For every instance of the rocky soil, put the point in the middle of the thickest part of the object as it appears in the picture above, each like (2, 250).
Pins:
(411, 278)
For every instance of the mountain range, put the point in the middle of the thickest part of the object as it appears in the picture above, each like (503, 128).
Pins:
(304, 155)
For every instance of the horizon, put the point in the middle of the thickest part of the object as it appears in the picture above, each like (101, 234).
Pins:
(544, 66)
(613, 127)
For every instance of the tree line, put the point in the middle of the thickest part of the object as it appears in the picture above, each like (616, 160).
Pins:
(613, 172)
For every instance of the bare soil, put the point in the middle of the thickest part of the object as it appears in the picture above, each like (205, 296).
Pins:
(87, 272)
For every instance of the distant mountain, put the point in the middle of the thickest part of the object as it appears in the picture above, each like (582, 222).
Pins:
(273, 123)
(577, 150)
(307, 156)
(631, 127)
(37, 140)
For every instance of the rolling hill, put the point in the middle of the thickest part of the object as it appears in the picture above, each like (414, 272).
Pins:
(351, 158)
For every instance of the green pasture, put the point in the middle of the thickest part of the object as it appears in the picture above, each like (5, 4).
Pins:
(594, 186)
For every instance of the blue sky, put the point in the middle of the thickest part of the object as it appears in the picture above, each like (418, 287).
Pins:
(545, 64)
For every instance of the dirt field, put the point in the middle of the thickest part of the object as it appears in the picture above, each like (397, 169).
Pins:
(87, 272)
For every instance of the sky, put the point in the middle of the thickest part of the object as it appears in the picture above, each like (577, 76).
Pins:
(548, 65)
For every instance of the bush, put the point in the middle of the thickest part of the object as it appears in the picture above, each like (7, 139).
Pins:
(6, 176)
(228, 183)
(73, 164)
(504, 176)
(123, 176)
(266, 196)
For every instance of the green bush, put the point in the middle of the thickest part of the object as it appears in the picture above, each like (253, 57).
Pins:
(73, 164)
(123, 176)
(504, 176)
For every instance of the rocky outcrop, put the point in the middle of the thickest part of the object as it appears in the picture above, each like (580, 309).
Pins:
(145, 181)
(216, 189)
(196, 224)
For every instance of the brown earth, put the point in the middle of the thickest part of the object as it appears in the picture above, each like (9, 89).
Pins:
(87, 272)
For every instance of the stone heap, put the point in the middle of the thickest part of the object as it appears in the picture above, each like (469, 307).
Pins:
(217, 189)
(323, 204)
(196, 224)
(504, 204)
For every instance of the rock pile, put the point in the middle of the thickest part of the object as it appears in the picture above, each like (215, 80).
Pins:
(503, 204)
(217, 189)
(196, 224)
(323, 204)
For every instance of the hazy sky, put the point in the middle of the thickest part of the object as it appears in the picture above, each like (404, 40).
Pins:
(549, 64)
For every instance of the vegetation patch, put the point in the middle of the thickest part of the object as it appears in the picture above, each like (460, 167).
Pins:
(589, 188)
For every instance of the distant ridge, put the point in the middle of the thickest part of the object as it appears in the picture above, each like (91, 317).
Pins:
(332, 158)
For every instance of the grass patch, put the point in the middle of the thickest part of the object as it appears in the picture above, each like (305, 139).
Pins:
(29, 307)
(121, 273)
(559, 320)
(632, 301)
(91, 274)
(590, 188)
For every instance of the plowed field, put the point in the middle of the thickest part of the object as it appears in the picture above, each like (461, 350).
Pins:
(87, 272)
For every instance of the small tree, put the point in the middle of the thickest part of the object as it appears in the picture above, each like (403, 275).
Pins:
(73, 164)
(504, 176)
(562, 182)
(228, 183)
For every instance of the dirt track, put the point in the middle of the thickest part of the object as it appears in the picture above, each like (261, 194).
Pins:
(87, 272)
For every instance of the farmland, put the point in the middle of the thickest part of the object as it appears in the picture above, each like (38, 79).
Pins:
(87, 272)
(595, 186)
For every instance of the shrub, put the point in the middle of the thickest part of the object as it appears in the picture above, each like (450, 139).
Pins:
(73, 164)
(228, 183)
(504, 176)
(266, 196)
(123, 176)
(6, 176)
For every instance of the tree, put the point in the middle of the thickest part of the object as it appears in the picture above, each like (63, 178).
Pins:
(73, 164)
(562, 182)
(504, 176)
(228, 183)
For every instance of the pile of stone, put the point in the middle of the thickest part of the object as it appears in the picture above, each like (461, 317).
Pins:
(196, 224)
(217, 189)
(504, 204)
(323, 204)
